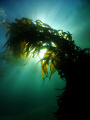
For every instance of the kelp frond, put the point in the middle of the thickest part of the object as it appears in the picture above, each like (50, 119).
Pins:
(27, 38)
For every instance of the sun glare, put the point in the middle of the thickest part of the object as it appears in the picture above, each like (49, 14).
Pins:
(42, 52)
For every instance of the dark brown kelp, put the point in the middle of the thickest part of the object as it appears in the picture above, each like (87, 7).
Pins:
(26, 38)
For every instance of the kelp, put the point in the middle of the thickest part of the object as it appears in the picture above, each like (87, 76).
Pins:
(26, 38)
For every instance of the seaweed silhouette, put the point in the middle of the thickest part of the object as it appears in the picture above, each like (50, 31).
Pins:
(26, 38)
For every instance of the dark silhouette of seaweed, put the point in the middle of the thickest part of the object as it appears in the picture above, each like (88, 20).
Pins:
(71, 62)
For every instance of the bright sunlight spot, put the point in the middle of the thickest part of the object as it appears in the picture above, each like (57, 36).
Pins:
(41, 54)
